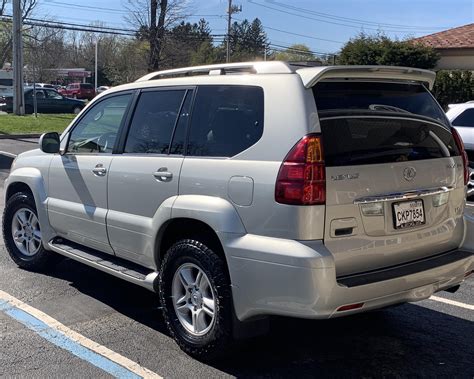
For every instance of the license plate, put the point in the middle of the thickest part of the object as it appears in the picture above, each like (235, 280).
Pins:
(408, 214)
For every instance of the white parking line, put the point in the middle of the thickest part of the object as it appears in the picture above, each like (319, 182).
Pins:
(67, 339)
(452, 302)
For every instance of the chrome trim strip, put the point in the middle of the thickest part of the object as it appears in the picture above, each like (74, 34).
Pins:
(402, 195)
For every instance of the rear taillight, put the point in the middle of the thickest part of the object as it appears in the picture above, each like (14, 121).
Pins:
(302, 179)
(462, 151)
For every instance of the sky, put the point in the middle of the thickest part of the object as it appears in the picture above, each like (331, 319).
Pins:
(323, 25)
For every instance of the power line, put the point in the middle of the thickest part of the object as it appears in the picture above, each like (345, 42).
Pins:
(330, 22)
(352, 20)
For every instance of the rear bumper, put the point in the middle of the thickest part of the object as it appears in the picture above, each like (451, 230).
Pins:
(273, 276)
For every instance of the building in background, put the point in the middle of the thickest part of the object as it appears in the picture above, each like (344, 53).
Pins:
(455, 46)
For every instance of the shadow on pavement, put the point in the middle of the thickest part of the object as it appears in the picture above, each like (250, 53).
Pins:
(403, 341)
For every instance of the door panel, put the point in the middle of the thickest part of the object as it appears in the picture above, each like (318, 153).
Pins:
(135, 195)
(146, 177)
(374, 168)
(77, 203)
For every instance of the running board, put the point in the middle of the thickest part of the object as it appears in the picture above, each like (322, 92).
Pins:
(110, 264)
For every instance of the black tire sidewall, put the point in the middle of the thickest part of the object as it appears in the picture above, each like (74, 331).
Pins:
(213, 342)
(40, 259)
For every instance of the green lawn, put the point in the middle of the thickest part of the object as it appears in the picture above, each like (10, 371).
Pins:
(11, 124)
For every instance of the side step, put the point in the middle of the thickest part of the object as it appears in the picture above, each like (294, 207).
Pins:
(110, 264)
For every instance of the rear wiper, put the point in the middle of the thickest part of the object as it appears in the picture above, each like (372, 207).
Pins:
(384, 107)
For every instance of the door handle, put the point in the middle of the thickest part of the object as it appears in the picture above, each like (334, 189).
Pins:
(163, 175)
(99, 170)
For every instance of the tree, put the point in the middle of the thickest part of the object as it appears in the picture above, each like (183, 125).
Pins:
(183, 41)
(296, 53)
(6, 38)
(453, 87)
(381, 50)
(152, 18)
(248, 41)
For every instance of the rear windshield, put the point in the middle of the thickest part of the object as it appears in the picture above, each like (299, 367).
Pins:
(87, 86)
(361, 140)
(370, 123)
(373, 97)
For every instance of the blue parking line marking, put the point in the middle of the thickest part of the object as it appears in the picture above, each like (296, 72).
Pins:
(62, 341)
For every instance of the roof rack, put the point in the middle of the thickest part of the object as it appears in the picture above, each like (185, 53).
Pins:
(274, 67)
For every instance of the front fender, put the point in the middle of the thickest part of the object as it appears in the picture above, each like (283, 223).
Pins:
(33, 178)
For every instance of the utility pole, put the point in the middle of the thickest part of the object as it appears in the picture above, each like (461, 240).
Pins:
(95, 68)
(230, 11)
(18, 93)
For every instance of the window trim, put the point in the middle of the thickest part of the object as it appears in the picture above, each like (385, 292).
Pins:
(120, 130)
(133, 107)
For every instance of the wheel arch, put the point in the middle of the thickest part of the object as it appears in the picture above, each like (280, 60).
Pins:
(199, 217)
(30, 180)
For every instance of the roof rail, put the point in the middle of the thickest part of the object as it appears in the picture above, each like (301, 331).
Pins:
(274, 67)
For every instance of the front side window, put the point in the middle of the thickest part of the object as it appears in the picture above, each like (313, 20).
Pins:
(226, 120)
(466, 118)
(97, 131)
(153, 122)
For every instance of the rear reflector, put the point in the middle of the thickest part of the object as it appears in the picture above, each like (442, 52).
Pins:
(350, 307)
(302, 178)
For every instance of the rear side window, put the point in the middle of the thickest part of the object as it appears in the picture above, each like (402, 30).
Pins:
(153, 122)
(376, 98)
(226, 120)
(466, 118)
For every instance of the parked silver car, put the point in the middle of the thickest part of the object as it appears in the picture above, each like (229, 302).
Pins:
(247, 190)
(462, 118)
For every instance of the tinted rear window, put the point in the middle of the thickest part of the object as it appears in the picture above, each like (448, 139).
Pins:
(357, 140)
(226, 120)
(86, 86)
(376, 97)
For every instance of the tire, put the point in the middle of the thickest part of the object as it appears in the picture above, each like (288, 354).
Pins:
(76, 110)
(31, 255)
(29, 109)
(192, 256)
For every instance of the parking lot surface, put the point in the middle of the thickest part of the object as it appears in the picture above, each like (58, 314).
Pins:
(432, 338)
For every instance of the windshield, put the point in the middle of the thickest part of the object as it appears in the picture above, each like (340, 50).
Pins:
(375, 98)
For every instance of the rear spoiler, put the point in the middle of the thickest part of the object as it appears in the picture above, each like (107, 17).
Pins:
(310, 76)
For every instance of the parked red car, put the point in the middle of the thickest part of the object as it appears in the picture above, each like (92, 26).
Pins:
(79, 91)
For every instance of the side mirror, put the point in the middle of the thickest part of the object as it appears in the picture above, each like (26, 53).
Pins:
(49, 143)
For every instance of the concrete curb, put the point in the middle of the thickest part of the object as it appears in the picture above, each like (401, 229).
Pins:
(19, 136)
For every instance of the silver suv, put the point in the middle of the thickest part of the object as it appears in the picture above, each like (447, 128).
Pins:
(241, 191)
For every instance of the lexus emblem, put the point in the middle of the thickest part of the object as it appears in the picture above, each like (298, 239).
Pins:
(409, 173)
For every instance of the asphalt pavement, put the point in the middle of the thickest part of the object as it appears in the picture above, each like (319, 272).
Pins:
(431, 338)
